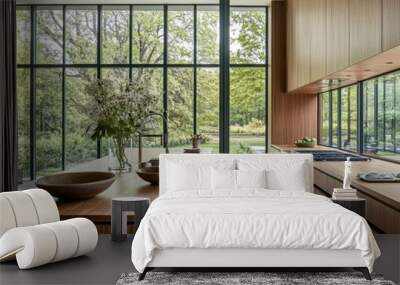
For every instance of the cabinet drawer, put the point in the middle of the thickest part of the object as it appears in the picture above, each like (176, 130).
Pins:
(382, 216)
(320, 179)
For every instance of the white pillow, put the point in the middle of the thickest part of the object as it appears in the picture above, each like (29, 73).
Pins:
(291, 179)
(251, 178)
(188, 177)
(223, 179)
(290, 173)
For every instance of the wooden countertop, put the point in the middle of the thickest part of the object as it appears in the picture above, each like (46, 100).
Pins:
(98, 209)
(389, 193)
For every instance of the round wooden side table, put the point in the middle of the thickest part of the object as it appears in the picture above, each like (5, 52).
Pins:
(121, 207)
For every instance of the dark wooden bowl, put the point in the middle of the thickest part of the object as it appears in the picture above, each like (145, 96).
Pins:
(76, 185)
(149, 174)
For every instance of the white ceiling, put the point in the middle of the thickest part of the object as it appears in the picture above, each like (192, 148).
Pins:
(233, 2)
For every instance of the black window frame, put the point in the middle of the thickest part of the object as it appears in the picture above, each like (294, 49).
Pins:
(361, 148)
(223, 66)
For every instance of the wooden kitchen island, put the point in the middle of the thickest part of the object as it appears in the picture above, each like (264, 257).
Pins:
(383, 199)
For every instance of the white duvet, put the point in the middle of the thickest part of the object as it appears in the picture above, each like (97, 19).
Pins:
(250, 219)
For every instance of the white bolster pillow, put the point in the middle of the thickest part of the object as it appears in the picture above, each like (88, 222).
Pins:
(40, 244)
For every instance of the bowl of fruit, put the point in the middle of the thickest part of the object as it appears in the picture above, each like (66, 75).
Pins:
(306, 142)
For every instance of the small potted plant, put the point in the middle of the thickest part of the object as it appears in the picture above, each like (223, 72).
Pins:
(196, 140)
(118, 110)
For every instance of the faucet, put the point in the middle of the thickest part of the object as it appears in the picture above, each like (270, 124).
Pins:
(163, 136)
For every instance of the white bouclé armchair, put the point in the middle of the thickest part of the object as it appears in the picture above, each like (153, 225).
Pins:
(31, 231)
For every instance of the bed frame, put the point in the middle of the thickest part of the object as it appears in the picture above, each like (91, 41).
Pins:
(242, 259)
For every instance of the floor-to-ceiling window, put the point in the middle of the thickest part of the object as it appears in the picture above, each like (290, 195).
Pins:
(248, 59)
(176, 48)
(380, 123)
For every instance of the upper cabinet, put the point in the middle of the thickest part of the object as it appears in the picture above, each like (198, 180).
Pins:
(298, 42)
(365, 29)
(326, 36)
(390, 24)
(317, 23)
(337, 30)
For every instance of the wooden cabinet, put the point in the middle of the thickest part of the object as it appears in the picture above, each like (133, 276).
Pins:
(291, 45)
(327, 36)
(317, 23)
(337, 31)
(365, 29)
(303, 38)
(381, 215)
(298, 43)
(390, 24)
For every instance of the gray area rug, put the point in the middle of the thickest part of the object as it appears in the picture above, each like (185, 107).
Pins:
(229, 278)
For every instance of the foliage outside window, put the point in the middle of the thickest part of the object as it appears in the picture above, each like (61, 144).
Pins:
(335, 117)
(324, 119)
(382, 116)
(126, 42)
(349, 118)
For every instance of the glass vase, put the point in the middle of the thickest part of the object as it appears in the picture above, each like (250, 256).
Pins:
(117, 159)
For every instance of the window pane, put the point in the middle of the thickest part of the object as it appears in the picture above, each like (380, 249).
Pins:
(208, 107)
(118, 75)
(115, 34)
(180, 106)
(81, 34)
(48, 120)
(23, 115)
(79, 147)
(248, 35)
(381, 116)
(388, 113)
(335, 98)
(370, 120)
(180, 34)
(23, 35)
(147, 34)
(247, 110)
(154, 83)
(152, 80)
(349, 118)
(324, 123)
(49, 38)
(208, 34)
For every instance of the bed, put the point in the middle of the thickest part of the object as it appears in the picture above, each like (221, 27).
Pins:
(246, 211)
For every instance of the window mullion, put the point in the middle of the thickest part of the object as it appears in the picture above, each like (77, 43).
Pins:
(195, 70)
(130, 41)
(330, 123)
(165, 76)
(33, 94)
(98, 62)
(63, 101)
(224, 7)
(360, 117)
(339, 119)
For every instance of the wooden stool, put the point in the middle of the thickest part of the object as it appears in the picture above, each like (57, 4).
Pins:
(121, 207)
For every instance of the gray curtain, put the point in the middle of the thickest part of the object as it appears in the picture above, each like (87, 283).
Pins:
(8, 102)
